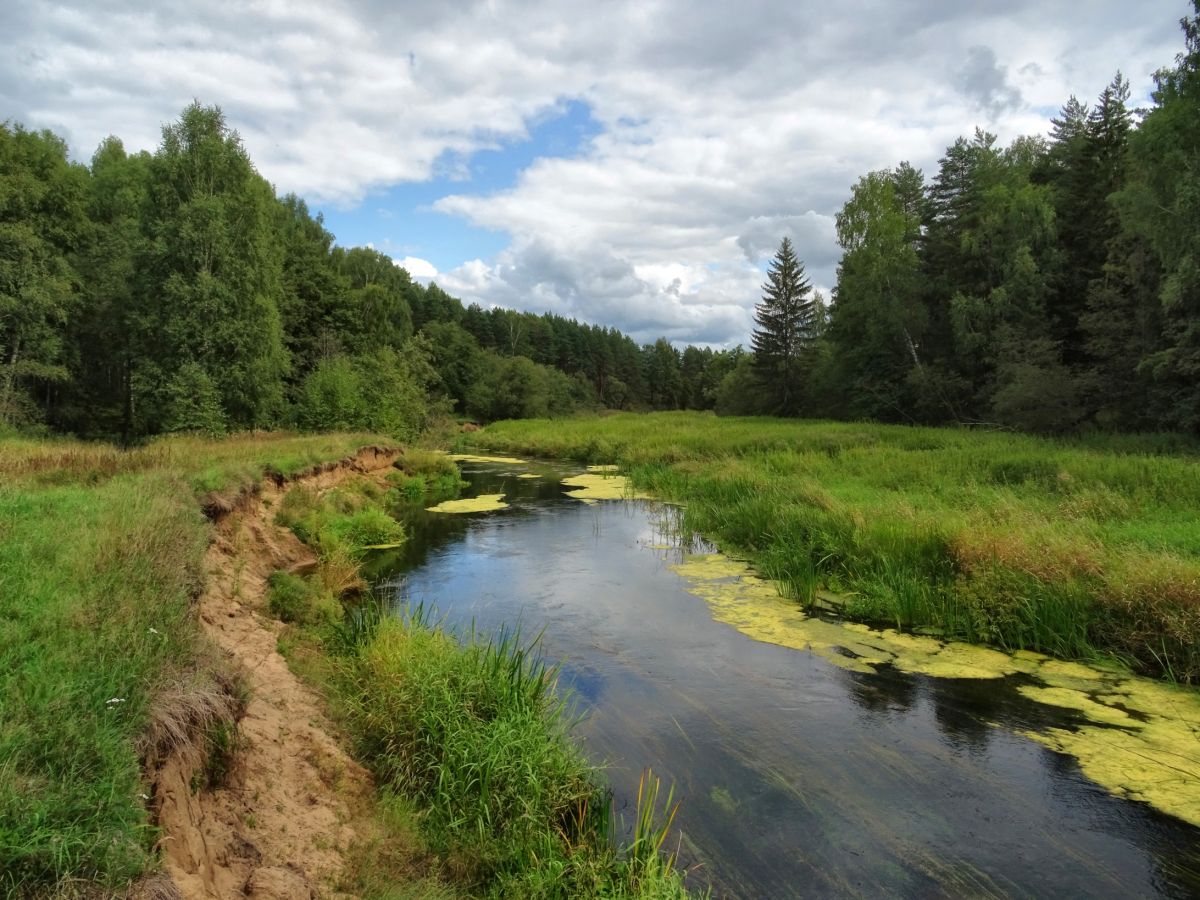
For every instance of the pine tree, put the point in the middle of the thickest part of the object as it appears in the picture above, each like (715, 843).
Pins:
(784, 332)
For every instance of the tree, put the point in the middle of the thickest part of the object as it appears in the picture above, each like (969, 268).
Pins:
(1160, 206)
(211, 277)
(784, 333)
(43, 222)
(100, 399)
(878, 320)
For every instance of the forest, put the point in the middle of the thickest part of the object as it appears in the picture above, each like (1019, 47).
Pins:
(1051, 285)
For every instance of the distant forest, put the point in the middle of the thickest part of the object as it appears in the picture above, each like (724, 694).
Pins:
(1052, 285)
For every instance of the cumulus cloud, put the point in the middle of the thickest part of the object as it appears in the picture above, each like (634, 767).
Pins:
(717, 132)
(420, 269)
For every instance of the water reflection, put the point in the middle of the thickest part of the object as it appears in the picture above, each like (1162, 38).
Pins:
(799, 778)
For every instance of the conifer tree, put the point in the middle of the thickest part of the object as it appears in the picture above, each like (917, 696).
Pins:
(784, 333)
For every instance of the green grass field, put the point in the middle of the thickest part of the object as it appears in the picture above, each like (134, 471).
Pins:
(101, 660)
(1081, 548)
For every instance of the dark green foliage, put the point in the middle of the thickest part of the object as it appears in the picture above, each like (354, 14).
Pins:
(384, 391)
(43, 223)
(517, 388)
(211, 276)
(784, 333)
(192, 403)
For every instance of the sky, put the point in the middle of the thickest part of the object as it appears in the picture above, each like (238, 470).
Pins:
(630, 164)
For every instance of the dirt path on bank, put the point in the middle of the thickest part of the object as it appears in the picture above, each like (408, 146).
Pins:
(281, 825)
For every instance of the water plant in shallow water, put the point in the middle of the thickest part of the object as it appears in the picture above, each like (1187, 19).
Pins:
(601, 486)
(482, 503)
(1137, 737)
(474, 458)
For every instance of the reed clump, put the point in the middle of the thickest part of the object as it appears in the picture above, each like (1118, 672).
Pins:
(475, 733)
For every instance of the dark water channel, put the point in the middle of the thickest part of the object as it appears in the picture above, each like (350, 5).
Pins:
(798, 778)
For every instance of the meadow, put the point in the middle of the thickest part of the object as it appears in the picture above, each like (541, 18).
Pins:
(1080, 548)
(102, 666)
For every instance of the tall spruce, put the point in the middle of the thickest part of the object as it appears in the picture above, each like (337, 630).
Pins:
(784, 333)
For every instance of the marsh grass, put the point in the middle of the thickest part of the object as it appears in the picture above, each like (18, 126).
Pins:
(101, 664)
(1076, 548)
(476, 734)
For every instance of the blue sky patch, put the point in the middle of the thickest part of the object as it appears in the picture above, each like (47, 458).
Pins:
(401, 221)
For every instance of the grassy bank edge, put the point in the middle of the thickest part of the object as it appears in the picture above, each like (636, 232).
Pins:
(103, 668)
(1084, 549)
(468, 735)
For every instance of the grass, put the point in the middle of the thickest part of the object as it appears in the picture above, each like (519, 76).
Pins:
(1076, 548)
(472, 737)
(475, 734)
(102, 667)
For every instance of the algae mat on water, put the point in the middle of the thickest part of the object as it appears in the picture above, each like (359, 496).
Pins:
(470, 457)
(1136, 737)
(482, 503)
(602, 486)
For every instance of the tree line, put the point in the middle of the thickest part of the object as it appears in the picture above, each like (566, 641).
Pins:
(167, 291)
(1050, 285)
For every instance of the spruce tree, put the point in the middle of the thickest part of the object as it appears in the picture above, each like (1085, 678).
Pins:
(784, 333)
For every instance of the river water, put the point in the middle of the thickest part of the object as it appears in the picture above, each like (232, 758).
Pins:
(798, 777)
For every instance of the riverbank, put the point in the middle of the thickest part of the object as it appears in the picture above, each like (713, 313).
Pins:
(470, 731)
(104, 669)
(1080, 550)
(167, 748)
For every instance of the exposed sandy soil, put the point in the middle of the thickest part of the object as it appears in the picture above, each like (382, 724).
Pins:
(282, 823)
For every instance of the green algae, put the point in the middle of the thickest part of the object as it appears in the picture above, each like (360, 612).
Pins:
(724, 800)
(598, 486)
(482, 503)
(1135, 737)
(471, 457)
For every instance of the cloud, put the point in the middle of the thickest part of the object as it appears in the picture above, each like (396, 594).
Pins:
(715, 134)
(420, 269)
(985, 82)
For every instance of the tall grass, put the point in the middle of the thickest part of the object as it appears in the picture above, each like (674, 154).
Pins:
(475, 733)
(1075, 548)
(101, 662)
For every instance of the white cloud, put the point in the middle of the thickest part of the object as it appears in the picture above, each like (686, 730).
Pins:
(719, 131)
(420, 269)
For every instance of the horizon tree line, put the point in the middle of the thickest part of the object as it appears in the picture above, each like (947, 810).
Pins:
(1051, 285)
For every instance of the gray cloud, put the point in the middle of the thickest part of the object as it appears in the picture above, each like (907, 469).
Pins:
(985, 81)
(719, 130)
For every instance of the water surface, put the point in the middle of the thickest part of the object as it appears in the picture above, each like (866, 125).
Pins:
(799, 778)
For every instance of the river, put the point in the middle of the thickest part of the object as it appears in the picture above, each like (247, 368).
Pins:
(798, 777)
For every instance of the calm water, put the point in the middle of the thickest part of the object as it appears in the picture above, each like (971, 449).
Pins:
(798, 777)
